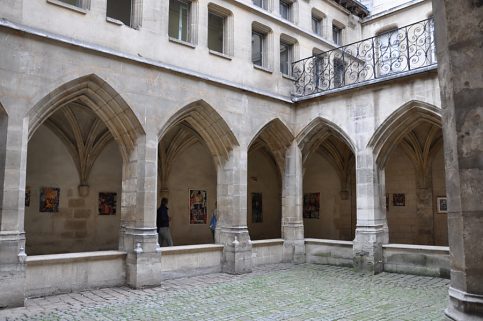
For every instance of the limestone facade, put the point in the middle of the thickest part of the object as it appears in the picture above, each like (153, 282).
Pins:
(76, 84)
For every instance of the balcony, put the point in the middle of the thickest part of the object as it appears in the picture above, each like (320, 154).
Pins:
(388, 55)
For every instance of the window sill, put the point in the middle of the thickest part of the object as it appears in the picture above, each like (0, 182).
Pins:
(67, 6)
(181, 42)
(289, 77)
(114, 21)
(219, 54)
(265, 69)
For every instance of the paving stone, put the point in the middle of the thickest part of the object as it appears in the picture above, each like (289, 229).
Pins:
(271, 293)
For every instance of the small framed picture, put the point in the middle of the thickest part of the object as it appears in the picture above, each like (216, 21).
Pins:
(442, 203)
(399, 199)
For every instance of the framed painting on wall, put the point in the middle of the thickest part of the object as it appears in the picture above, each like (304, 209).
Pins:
(49, 199)
(27, 196)
(257, 208)
(399, 199)
(107, 203)
(442, 203)
(311, 205)
(198, 206)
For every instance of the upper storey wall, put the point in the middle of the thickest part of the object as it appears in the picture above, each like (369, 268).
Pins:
(151, 39)
(399, 16)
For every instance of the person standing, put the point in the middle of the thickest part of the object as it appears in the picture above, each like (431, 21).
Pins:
(162, 223)
(213, 221)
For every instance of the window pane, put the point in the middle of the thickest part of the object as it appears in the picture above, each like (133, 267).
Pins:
(120, 10)
(338, 73)
(179, 16)
(257, 48)
(260, 3)
(285, 10)
(76, 3)
(316, 25)
(215, 32)
(337, 35)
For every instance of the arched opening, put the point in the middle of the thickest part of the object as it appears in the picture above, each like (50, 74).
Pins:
(266, 160)
(329, 200)
(409, 149)
(3, 146)
(75, 169)
(192, 145)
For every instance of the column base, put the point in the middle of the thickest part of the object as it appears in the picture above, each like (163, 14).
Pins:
(294, 243)
(464, 306)
(12, 269)
(237, 253)
(143, 257)
(367, 249)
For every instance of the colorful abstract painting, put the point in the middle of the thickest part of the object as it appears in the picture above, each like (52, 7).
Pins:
(49, 199)
(107, 203)
(198, 207)
(311, 205)
(257, 208)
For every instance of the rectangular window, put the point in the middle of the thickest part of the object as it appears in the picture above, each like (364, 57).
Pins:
(339, 73)
(317, 25)
(285, 9)
(120, 10)
(286, 58)
(179, 20)
(260, 3)
(216, 31)
(337, 35)
(258, 43)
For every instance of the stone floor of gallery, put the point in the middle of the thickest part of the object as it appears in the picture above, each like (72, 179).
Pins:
(271, 292)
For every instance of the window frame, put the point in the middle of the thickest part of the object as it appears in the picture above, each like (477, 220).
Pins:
(337, 34)
(290, 57)
(228, 38)
(266, 46)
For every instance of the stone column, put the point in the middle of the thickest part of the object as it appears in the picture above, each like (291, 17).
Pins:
(371, 229)
(459, 35)
(292, 198)
(424, 205)
(12, 235)
(232, 230)
(138, 232)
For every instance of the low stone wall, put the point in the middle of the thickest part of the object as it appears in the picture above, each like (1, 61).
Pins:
(329, 252)
(189, 260)
(417, 259)
(63, 273)
(267, 251)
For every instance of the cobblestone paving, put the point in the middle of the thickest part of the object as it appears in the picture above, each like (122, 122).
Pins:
(272, 292)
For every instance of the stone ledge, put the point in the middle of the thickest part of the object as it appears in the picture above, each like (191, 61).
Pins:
(268, 242)
(73, 257)
(418, 248)
(185, 249)
(329, 242)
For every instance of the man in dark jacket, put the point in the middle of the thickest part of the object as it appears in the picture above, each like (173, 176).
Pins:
(162, 223)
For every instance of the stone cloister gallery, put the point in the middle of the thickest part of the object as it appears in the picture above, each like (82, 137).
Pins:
(95, 130)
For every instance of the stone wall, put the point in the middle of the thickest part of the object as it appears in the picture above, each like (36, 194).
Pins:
(77, 226)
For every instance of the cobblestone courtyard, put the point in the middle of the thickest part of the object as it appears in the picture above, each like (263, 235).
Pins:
(272, 292)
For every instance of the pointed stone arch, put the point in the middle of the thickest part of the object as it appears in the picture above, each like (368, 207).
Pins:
(399, 124)
(102, 99)
(208, 125)
(316, 132)
(276, 137)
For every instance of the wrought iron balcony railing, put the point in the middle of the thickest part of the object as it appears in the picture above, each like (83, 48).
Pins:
(390, 53)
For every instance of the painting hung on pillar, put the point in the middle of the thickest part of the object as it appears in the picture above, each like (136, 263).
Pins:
(311, 205)
(257, 208)
(27, 196)
(442, 204)
(107, 203)
(49, 199)
(399, 199)
(198, 207)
